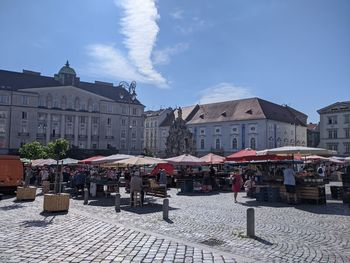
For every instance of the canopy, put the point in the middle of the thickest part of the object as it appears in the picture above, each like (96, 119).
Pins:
(89, 160)
(42, 162)
(213, 159)
(68, 161)
(316, 158)
(243, 155)
(139, 160)
(169, 169)
(347, 159)
(285, 150)
(185, 159)
(111, 158)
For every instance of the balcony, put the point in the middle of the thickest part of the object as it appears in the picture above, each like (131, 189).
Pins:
(94, 137)
(69, 136)
(109, 137)
(55, 136)
(82, 137)
(41, 136)
(23, 134)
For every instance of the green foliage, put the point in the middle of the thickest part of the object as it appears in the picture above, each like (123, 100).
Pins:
(57, 149)
(33, 150)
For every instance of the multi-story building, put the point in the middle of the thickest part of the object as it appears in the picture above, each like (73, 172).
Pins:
(313, 135)
(89, 115)
(153, 141)
(335, 127)
(230, 126)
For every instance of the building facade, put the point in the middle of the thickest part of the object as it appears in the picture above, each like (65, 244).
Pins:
(335, 127)
(313, 135)
(230, 126)
(89, 115)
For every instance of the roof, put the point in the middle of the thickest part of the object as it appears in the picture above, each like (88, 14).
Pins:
(66, 69)
(10, 80)
(152, 113)
(244, 109)
(168, 121)
(338, 106)
(187, 114)
(312, 126)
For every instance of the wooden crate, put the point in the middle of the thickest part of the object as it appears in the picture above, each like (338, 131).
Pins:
(26, 193)
(312, 193)
(46, 187)
(56, 202)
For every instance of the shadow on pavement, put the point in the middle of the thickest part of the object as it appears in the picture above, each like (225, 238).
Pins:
(146, 209)
(263, 241)
(36, 223)
(199, 193)
(11, 207)
(254, 203)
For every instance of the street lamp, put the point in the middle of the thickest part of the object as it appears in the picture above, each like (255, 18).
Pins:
(130, 88)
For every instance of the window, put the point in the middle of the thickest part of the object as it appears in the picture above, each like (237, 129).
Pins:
(234, 129)
(95, 107)
(83, 107)
(133, 135)
(94, 146)
(134, 111)
(124, 110)
(217, 130)
(234, 143)
(123, 134)
(69, 128)
(109, 131)
(202, 131)
(25, 100)
(95, 120)
(2, 114)
(217, 144)
(134, 123)
(63, 102)
(69, 118)
(332, 146)
(346, 118)
(347, 147)
(347, 133)
(109, 121)
(123, 122)
(122, 145)
(77, 104)
(24, 115)
(83, 119)
(253, 143)
(56, 104)
(4, 99)
(332, 120)
(41, 102)
(202, 144)
(49, 100)
(332, 134)
(95, 130)
(109, 108)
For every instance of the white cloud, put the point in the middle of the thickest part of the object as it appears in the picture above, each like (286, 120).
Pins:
(224, 92)
(162, 57)
(140, 29)
(177, 14)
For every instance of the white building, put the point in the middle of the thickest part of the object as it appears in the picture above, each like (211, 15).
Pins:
(230, 126)
(89, 115)
(335, 127)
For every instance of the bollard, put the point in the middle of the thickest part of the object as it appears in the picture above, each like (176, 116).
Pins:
(250, 222)
(166, 209)
(117, 202)
(86, 196)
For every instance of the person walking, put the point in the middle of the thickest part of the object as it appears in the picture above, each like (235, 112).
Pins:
(236, 183)
(289, 184)
(136, 185)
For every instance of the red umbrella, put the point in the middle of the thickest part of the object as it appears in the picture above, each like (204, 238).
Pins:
(241, 156)
(89, 160)
(185, 159)
(169, 169)
(211, 158)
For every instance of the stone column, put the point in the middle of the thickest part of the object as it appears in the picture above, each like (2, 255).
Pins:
(76, 130)
(48, 128)
(89, 133)
(63, 125)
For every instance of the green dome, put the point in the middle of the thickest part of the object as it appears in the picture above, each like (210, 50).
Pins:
(67, 70)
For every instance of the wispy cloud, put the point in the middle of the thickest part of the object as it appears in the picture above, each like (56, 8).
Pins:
(177, 14)
(195, 24)
(163, 56)
(224, 92)
(140, 29)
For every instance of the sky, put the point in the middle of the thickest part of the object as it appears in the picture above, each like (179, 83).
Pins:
(294, 52)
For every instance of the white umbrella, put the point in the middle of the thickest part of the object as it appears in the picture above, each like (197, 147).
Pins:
(139, 161)
(185, 159)
(68, 161)
(285, 150)
(111, 158)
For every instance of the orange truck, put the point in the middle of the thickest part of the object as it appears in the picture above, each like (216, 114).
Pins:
(11, 172)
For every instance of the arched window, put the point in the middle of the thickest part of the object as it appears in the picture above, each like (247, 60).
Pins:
(42, 101)
(64, 102)
(202, 144)
(253, 143)
(77, 104)
(90, 105)
(234, 143)
(49, 100)
(285, 142)
(217, 144)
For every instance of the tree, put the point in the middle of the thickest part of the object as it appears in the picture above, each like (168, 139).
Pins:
(57, 150)
(33, 150)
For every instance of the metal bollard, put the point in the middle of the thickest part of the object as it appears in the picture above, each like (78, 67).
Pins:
(117, 202)
(86, 196)
(250, 222)
(166, 209)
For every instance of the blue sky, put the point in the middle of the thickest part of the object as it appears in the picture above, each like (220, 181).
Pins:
(294, 52)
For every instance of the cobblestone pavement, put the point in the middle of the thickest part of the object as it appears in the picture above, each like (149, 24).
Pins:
(203, 228)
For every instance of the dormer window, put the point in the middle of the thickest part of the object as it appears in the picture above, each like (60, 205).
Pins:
(201, 116)
(249, 111)
(224, 114)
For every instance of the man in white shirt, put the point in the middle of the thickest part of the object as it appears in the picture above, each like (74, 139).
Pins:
(289, 183)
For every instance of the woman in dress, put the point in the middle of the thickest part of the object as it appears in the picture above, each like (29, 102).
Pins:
(236, 183)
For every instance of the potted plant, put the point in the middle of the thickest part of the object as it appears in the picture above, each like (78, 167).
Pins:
(57, 201)
(33, 150)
